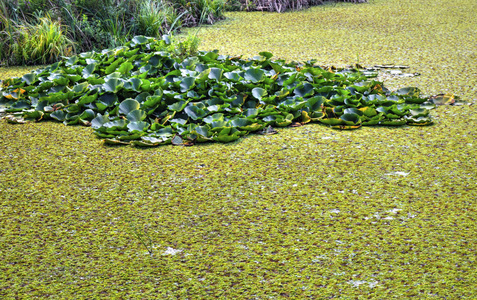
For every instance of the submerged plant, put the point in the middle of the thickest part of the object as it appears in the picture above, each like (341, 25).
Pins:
(145, 95)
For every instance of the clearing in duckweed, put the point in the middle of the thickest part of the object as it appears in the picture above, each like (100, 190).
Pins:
(311, 212)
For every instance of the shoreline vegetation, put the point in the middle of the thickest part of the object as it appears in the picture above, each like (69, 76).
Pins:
(41, 32)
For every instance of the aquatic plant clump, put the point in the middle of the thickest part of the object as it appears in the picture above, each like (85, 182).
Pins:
(145, 95)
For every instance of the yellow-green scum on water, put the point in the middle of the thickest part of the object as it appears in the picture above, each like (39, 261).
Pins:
(308, 213)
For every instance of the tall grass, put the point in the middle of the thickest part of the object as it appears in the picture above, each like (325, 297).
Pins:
(83, 25)
(153, 16)
(42, 43)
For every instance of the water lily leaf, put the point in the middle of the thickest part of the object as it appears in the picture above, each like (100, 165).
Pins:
(251, 112)
(214, 117)
(128, 105)
(409, 92)
(139, 40)
(283, 122)
(19, 106)
(351, 119)
(148, 141)
(96, 123)
(178, 121)
(115, 142)
(419, 112)
(41, 106)
(304, 90)
(314, 103)
(134, 135)
(58, 115)
(419, 121)
(71, 61)
(195, 112)
(125, 67)
(89, 70)
(178, 106)
(305, 118)
(87, 115)
(265, 54)
(216, 74)
(203, 76)
(252, 127)
(177, 140)
(373, 120)
(86, 99)
(133, 84)
(115, 125)
(73, 78)
(254, 75)
(152, 101)
(368, 111)
(107, 100)
(443, 99)
(240, 122)
(258, 93)
(332, 121)
(29, 78)
(233, 76)
(34, 115)
(138, 126)
(113, 85)
(227, 135)
(187, 83)
(209, 56)
(136, 115)
(61, 81)
(114, 66)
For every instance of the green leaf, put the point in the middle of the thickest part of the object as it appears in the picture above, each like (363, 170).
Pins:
(216, 74)
(195, 112)
(97, 122)
(409, 91)
(115, 125)
(113, 85)
(86, 99)
(58, 115)
(128, 106)
(350, 118)
(265, 54)
(29, 78)
(258, 93)
(304, 90)
(87, 115)
(125, 67)
(254, 75)
(34, 115)
(133, 84)
(138, 126)
(136, 115)
(187, 83)
(240, 122)
(178, 106)
(89, 70)
(332, 121)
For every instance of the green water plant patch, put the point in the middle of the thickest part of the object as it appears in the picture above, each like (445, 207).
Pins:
(143, 94)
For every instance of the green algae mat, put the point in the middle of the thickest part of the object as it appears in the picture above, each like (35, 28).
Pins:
(311, 212)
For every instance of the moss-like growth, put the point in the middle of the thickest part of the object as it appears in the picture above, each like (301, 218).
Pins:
(309, 213)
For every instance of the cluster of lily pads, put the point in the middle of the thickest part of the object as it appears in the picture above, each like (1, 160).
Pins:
(145, 95)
